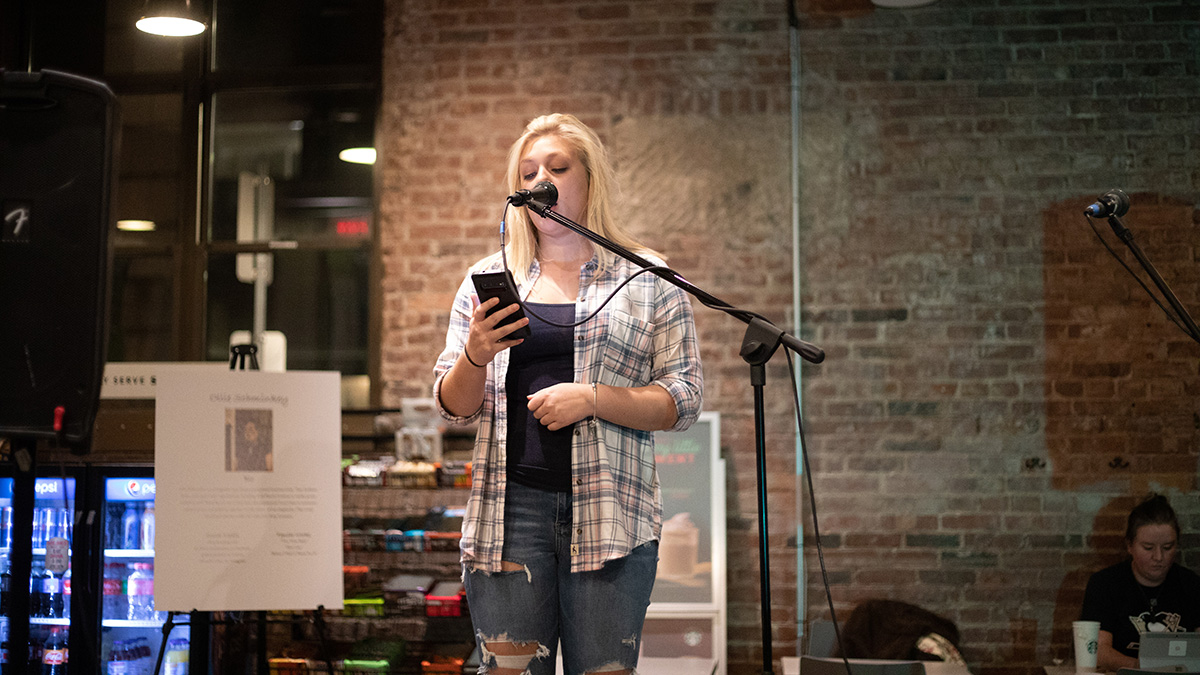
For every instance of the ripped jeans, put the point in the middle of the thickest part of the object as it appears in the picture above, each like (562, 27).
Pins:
(597, 615)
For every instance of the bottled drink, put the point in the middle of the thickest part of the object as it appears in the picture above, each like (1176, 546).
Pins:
(176, 659)
(140, 592)
(43, 522)
(35, 653)
(114, 592)
(133, 657)
(5, 585)
(66, 594)
(52, 598)
(147, 655)
(117, 663)
(36, 600)
(112, 524)
(6, 527)
(62, 524)
(130, 527)
(54, 653)
(148, 527)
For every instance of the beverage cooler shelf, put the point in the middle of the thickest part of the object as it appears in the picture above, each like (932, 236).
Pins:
(391, 502)
(128, 623)
(44, 621)
(128, 553)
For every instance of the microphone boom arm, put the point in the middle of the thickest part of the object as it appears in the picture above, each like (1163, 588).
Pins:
(808, 351)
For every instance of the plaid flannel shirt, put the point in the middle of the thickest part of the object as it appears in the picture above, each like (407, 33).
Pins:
(644, 335)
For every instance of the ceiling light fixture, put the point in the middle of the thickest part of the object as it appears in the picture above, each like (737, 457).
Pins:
(902, 4)
(136, 225)
(358, 155)
(171, 18)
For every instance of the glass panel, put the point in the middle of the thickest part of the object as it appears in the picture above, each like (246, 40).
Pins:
(317, 299)
(148, 176)
(275, 167)
(274, 34)
(143, 306)
(129, 51)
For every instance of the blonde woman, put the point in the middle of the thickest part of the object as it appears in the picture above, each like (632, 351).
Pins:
(560, 538)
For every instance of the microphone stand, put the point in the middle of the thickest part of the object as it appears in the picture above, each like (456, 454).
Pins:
(1123, 233)
(760, 342)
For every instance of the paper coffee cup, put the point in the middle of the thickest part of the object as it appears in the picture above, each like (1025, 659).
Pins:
(1087, 645)
(678, 547)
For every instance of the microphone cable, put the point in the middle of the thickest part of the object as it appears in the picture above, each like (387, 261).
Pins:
(589, 317)
(743, 314)
(1116, 256)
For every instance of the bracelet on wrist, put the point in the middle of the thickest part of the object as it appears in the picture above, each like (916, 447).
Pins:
(471, 360)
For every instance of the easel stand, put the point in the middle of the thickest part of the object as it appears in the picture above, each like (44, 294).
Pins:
(244, 357)
(761, 340)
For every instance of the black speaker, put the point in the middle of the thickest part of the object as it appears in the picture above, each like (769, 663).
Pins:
(57, 137)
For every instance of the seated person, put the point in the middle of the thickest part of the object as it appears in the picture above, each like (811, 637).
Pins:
(1147, 593)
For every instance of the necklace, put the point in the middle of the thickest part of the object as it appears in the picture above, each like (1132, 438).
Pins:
(1152, 601)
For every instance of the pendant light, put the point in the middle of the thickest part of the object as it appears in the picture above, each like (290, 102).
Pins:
(171, 18)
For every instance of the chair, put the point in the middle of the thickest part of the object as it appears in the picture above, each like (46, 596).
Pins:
(822, 638)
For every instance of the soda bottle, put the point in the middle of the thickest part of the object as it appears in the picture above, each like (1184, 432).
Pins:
(35, 653)
(114, 592)
(133, 657)
(148, 527)
(36, 600)
(140, 592)
(66, 594)
(54, 654)
(6, 527)
(130, 527)
(112, 525)
(147, 655)
(62, 524)
(5, 585)
(41, 519)
(52, 599)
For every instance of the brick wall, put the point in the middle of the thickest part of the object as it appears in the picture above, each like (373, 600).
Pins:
(993, 359)
(947, 153)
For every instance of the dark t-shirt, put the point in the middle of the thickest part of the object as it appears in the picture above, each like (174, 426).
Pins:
(1126, 609)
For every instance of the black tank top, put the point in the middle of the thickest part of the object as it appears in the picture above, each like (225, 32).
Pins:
(536, 456)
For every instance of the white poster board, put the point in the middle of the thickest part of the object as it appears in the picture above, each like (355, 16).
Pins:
(249, 504)
(687, 613)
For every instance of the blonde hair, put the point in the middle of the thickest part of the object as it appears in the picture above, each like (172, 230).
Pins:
(522, 247)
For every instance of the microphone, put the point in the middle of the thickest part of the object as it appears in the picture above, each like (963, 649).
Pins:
(1111, 203)
(543, 192)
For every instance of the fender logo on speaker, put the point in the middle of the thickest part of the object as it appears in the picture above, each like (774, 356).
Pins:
(17, 222)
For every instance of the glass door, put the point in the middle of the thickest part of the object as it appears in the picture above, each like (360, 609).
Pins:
(50, 575)
(132, 627)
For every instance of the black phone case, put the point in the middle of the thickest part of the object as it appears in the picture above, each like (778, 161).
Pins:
(490, 285)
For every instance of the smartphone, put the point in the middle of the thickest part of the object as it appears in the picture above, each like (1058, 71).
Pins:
(490, 285)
